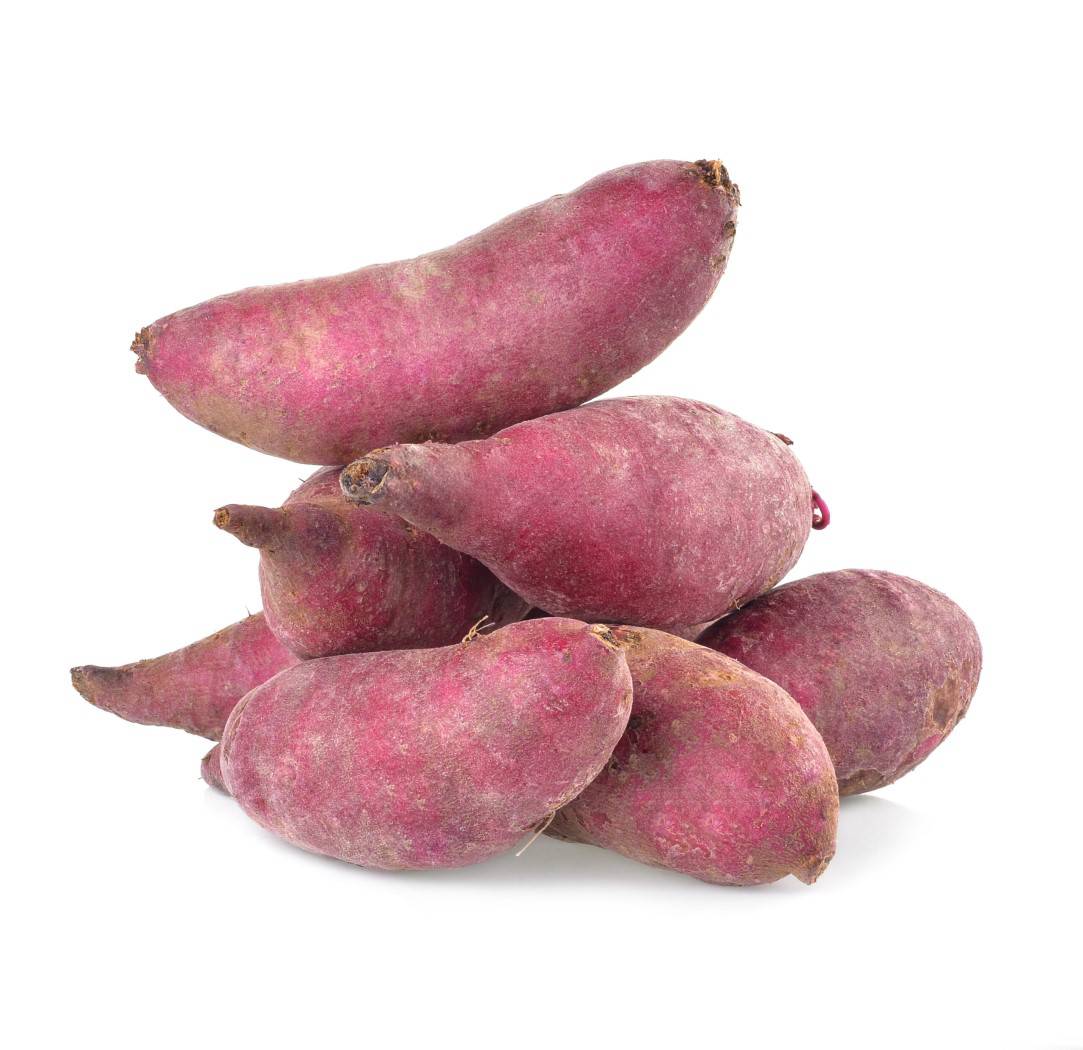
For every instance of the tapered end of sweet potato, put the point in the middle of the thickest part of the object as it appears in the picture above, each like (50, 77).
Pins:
(211, 769)
(92, 683)
(714, 173)
(814, 869)
(253, 526)
(141, 347)
(363, 480)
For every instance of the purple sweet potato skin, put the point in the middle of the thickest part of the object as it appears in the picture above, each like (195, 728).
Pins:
(883, 665)
(211, 769)
(719, 775)
(429, 758)
(542, 311)
(638, 510)
(338, 578)
(194, 688)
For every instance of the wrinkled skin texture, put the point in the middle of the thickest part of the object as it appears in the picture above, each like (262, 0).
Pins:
(719, 775)
(194, 688)
(883, 665)
(429, 758)
(545, 310)
(638, 510)
(337, 578)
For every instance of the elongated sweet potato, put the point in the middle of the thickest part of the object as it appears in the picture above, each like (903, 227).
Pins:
(638, 510)
(194, 688)
(337, 578)
(545, 310)
(719, 774)
(429, 758)
(884, 666)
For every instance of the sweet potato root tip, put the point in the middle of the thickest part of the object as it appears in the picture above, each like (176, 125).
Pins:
(253, 526)
(140, 346)
(211, 769)
(363, 480)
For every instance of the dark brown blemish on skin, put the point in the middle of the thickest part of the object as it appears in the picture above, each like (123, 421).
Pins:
(713, 172)
(363, 479)
(862, 780)
(141, 347)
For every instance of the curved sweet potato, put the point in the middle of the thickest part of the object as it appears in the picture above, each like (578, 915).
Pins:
(884, 666)
(545, 310)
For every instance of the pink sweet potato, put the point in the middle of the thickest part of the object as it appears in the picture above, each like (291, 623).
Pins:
(337, 578)
(194, 688)
(639, 510)
(429, 758)
(543, 311)
(719, 775)
(883, 665)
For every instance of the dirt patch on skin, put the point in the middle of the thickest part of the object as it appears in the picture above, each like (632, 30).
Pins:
(862, 780)
(141, 348)
(363, 479)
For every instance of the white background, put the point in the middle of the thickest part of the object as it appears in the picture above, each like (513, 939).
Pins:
(902, 300)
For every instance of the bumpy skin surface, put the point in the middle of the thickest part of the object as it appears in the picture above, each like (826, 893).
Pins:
(719, 775)
(884, 666)
(337, 578)
(545, 310)
(194, 688)
(639, 510)
(429, 758)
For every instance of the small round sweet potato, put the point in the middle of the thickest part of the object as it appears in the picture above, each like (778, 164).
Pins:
(429, 758)
(719, 774)
(884, 666)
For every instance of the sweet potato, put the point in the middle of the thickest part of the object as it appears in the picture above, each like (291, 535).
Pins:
(429, 758)
(194, 688)
(342, 579)
(884, 666)
(719, 775)
(545, 310)
(638, 510)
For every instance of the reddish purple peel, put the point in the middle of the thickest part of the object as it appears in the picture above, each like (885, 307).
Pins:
(821, 516)
(194, 688)
(719, 774)
(540, 312)
(211, 769)
(429, 758)
(653, 510)
(884, 666)
(342, 579)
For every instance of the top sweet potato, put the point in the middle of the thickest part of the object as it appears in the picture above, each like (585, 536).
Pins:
(545, 310)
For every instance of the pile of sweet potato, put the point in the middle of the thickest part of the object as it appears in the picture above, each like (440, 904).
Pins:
(512, 611)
